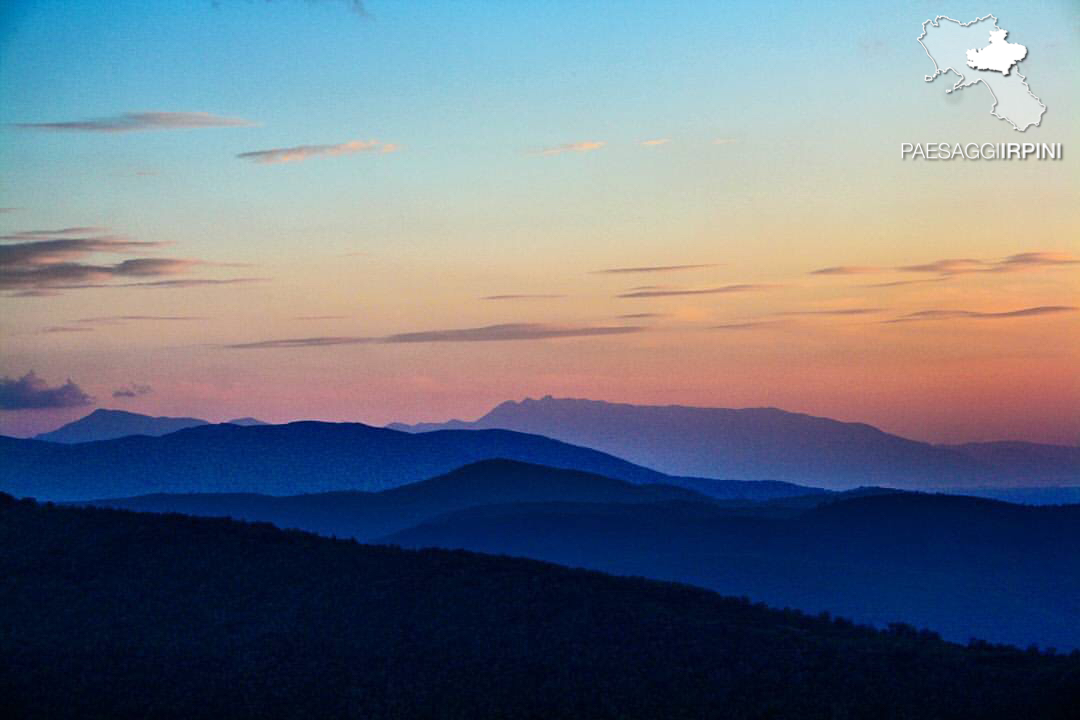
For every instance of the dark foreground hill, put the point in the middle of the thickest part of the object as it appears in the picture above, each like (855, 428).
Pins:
(768, 443)
(302, 457)
(959, 565)
(109, 614)
(366, 516)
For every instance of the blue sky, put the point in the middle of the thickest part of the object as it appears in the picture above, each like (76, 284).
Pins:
(809, 105)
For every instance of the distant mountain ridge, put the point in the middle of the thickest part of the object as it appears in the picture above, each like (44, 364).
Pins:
(105, 424)
(367, 516)
(303, 457)
(773, 444)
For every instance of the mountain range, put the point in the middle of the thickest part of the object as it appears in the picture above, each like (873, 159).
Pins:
(110, 614)
(103, 424)
(962, 566)
(367, 516)
(965, 567)
(296, 458)
(772, 444)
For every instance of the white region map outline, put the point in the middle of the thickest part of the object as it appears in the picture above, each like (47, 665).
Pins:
(963, 82)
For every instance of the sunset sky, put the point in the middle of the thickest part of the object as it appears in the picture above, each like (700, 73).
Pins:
(413, 211)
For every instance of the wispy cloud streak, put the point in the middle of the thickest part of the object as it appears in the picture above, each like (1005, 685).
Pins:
(490, 333)
(929, 315)
(522, 297)
(300, 153)
(141, 121)
(578, 147)
(650, 269)
(703, 291)
(949, 267)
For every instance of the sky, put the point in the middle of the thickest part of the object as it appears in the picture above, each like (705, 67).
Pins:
(401, 211)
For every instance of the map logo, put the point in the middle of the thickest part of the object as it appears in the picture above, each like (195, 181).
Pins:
(978, 52)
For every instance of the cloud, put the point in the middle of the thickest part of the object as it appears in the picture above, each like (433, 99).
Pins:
(639, 316)
(724, 141)
(37, 262)
(650, 269)
(578, 147)
(704, 291)
(748, 325)
(926, 315)
(119, 319)
(32, 393)
(522, 297)
(847, 270)
(657, 141)
(140, 121)
(840, 312)
(133, 390)
(300, 153)
(61, 232)
(901, 283)
(66, 329)
(183, 283)
(490, 333)
(321, 317)
(1024, 261)
(32, 293)
(949, 267)
(45, 251)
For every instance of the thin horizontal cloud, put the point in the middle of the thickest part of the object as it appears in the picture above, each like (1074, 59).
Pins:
(32, 294)
(703, 291)
(949, 267)
(902, 283)
(133, 390)
(748, 325)
(181, 283)
(142, 121)
(68, 275)
(321, 317)
(58, 233)
(32, 393)
(639, 316)
(65, 329)
(491, 333)
(300, 153)
(657, 141)
(57, 250)
(650, 269)
(119, 319)
(848, 270)
(578, 147)
(38, 262)
(839, 312)
(522, 297)
(929, 315)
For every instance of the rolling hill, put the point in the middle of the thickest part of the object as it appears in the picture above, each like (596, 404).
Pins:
(965, 567)
(366, 516)
(304, 457)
